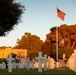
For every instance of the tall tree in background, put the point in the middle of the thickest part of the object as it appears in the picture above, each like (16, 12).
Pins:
(10, 15)
(66, 39)
(30, 42)
(66, 36)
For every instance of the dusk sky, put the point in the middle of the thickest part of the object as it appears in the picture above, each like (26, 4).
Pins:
(39, 17)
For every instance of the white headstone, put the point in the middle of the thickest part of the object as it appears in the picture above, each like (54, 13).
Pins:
(48, 62)
(21, 65)
(3, 65)
(28, 64)
(32, 63)
(10, 59)
(74, 60)
(63, 56)
(45, 62)
(51, 63)
(57, 64)
(67, 65)
(14, 65)
(17, 65)
(40, 61)
(71, 62)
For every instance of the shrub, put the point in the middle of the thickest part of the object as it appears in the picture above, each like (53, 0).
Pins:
(33, 55)
(67, 52)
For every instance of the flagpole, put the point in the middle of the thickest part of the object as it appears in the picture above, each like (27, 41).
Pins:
(56, 36)
(61, 15)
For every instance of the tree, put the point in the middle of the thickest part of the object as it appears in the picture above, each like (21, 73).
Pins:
(65, 33)
(46, 48)
(30, 42)
(66, 39)
(10, 15)
(14, 55)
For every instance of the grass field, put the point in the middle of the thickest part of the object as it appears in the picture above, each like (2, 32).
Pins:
(59, 71)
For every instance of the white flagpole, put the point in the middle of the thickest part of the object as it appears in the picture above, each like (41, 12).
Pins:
(56, 36)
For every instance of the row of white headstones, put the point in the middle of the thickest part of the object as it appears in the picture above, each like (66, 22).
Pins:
(49, 63)
(11, 65)
(71, 64)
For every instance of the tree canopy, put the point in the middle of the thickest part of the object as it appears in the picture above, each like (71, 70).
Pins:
(66, 40)
(66, 36)
(10, 15)
(30, 42)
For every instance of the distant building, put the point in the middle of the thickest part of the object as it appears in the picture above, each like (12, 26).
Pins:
(21, 53)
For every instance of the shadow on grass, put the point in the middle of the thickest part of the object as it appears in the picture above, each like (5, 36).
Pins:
(56, 71)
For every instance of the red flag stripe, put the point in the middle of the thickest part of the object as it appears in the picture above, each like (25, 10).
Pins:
(60, 14)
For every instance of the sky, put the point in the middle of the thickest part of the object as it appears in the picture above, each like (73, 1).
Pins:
(39, 17)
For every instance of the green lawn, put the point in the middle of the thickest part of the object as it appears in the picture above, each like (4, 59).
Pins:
(59, 71)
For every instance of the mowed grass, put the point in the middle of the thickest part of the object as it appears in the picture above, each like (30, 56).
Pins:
(56, 71)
